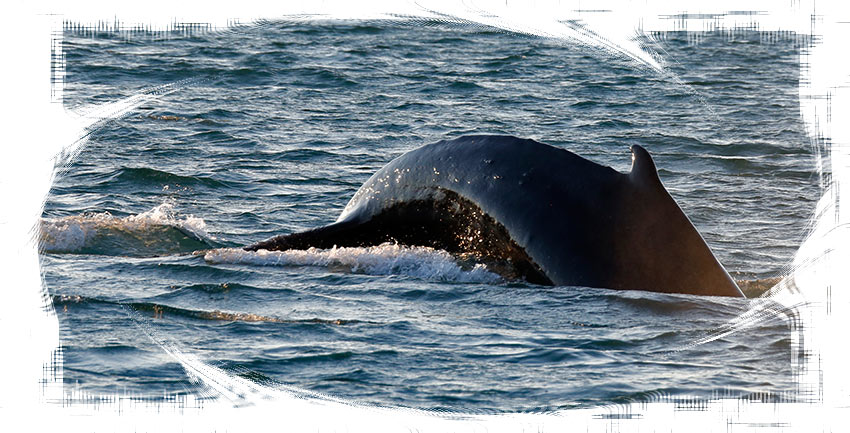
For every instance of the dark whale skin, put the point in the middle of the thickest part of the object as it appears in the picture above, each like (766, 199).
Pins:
(556, 217)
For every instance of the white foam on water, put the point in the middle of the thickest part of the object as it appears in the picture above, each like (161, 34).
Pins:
(165, 214)
(74, 233)
(385, 259)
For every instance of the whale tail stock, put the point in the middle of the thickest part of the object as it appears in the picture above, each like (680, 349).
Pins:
(536, 212)
(336, 234)
(445, 221)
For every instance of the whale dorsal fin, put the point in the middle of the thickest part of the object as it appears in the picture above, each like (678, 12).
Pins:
(643, 168)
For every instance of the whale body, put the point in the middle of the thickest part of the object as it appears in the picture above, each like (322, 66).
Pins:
(535, 211)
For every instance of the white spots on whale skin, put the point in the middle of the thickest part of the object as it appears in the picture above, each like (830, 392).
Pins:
(399, 174)
(383, 181)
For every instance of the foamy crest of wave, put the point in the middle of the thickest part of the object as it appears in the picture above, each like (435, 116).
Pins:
(75, 233)
(385, 259)
(164, 214)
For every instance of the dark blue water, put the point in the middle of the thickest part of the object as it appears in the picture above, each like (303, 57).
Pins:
(275, 128)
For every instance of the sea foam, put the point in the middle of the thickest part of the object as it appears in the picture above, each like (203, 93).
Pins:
(78, 233)
(385, 259)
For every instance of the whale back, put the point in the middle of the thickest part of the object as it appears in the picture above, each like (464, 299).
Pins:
(557, 217)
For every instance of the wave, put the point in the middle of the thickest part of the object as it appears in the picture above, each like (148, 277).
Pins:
(160, 311)
(145, 175)
(159, 231)
(385, 259)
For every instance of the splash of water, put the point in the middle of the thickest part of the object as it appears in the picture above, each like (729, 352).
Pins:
(149, 231)
(385, 259)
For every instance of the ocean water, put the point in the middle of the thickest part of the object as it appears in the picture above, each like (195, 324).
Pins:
(275, 126)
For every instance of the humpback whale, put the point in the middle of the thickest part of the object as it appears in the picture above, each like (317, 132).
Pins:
(538, 212)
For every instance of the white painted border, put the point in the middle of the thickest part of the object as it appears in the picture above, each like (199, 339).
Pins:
(39, 129)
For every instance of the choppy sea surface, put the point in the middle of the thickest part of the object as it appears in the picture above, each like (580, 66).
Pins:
(275, 126)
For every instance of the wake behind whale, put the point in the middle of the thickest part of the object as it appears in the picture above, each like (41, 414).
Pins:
(552, 216)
